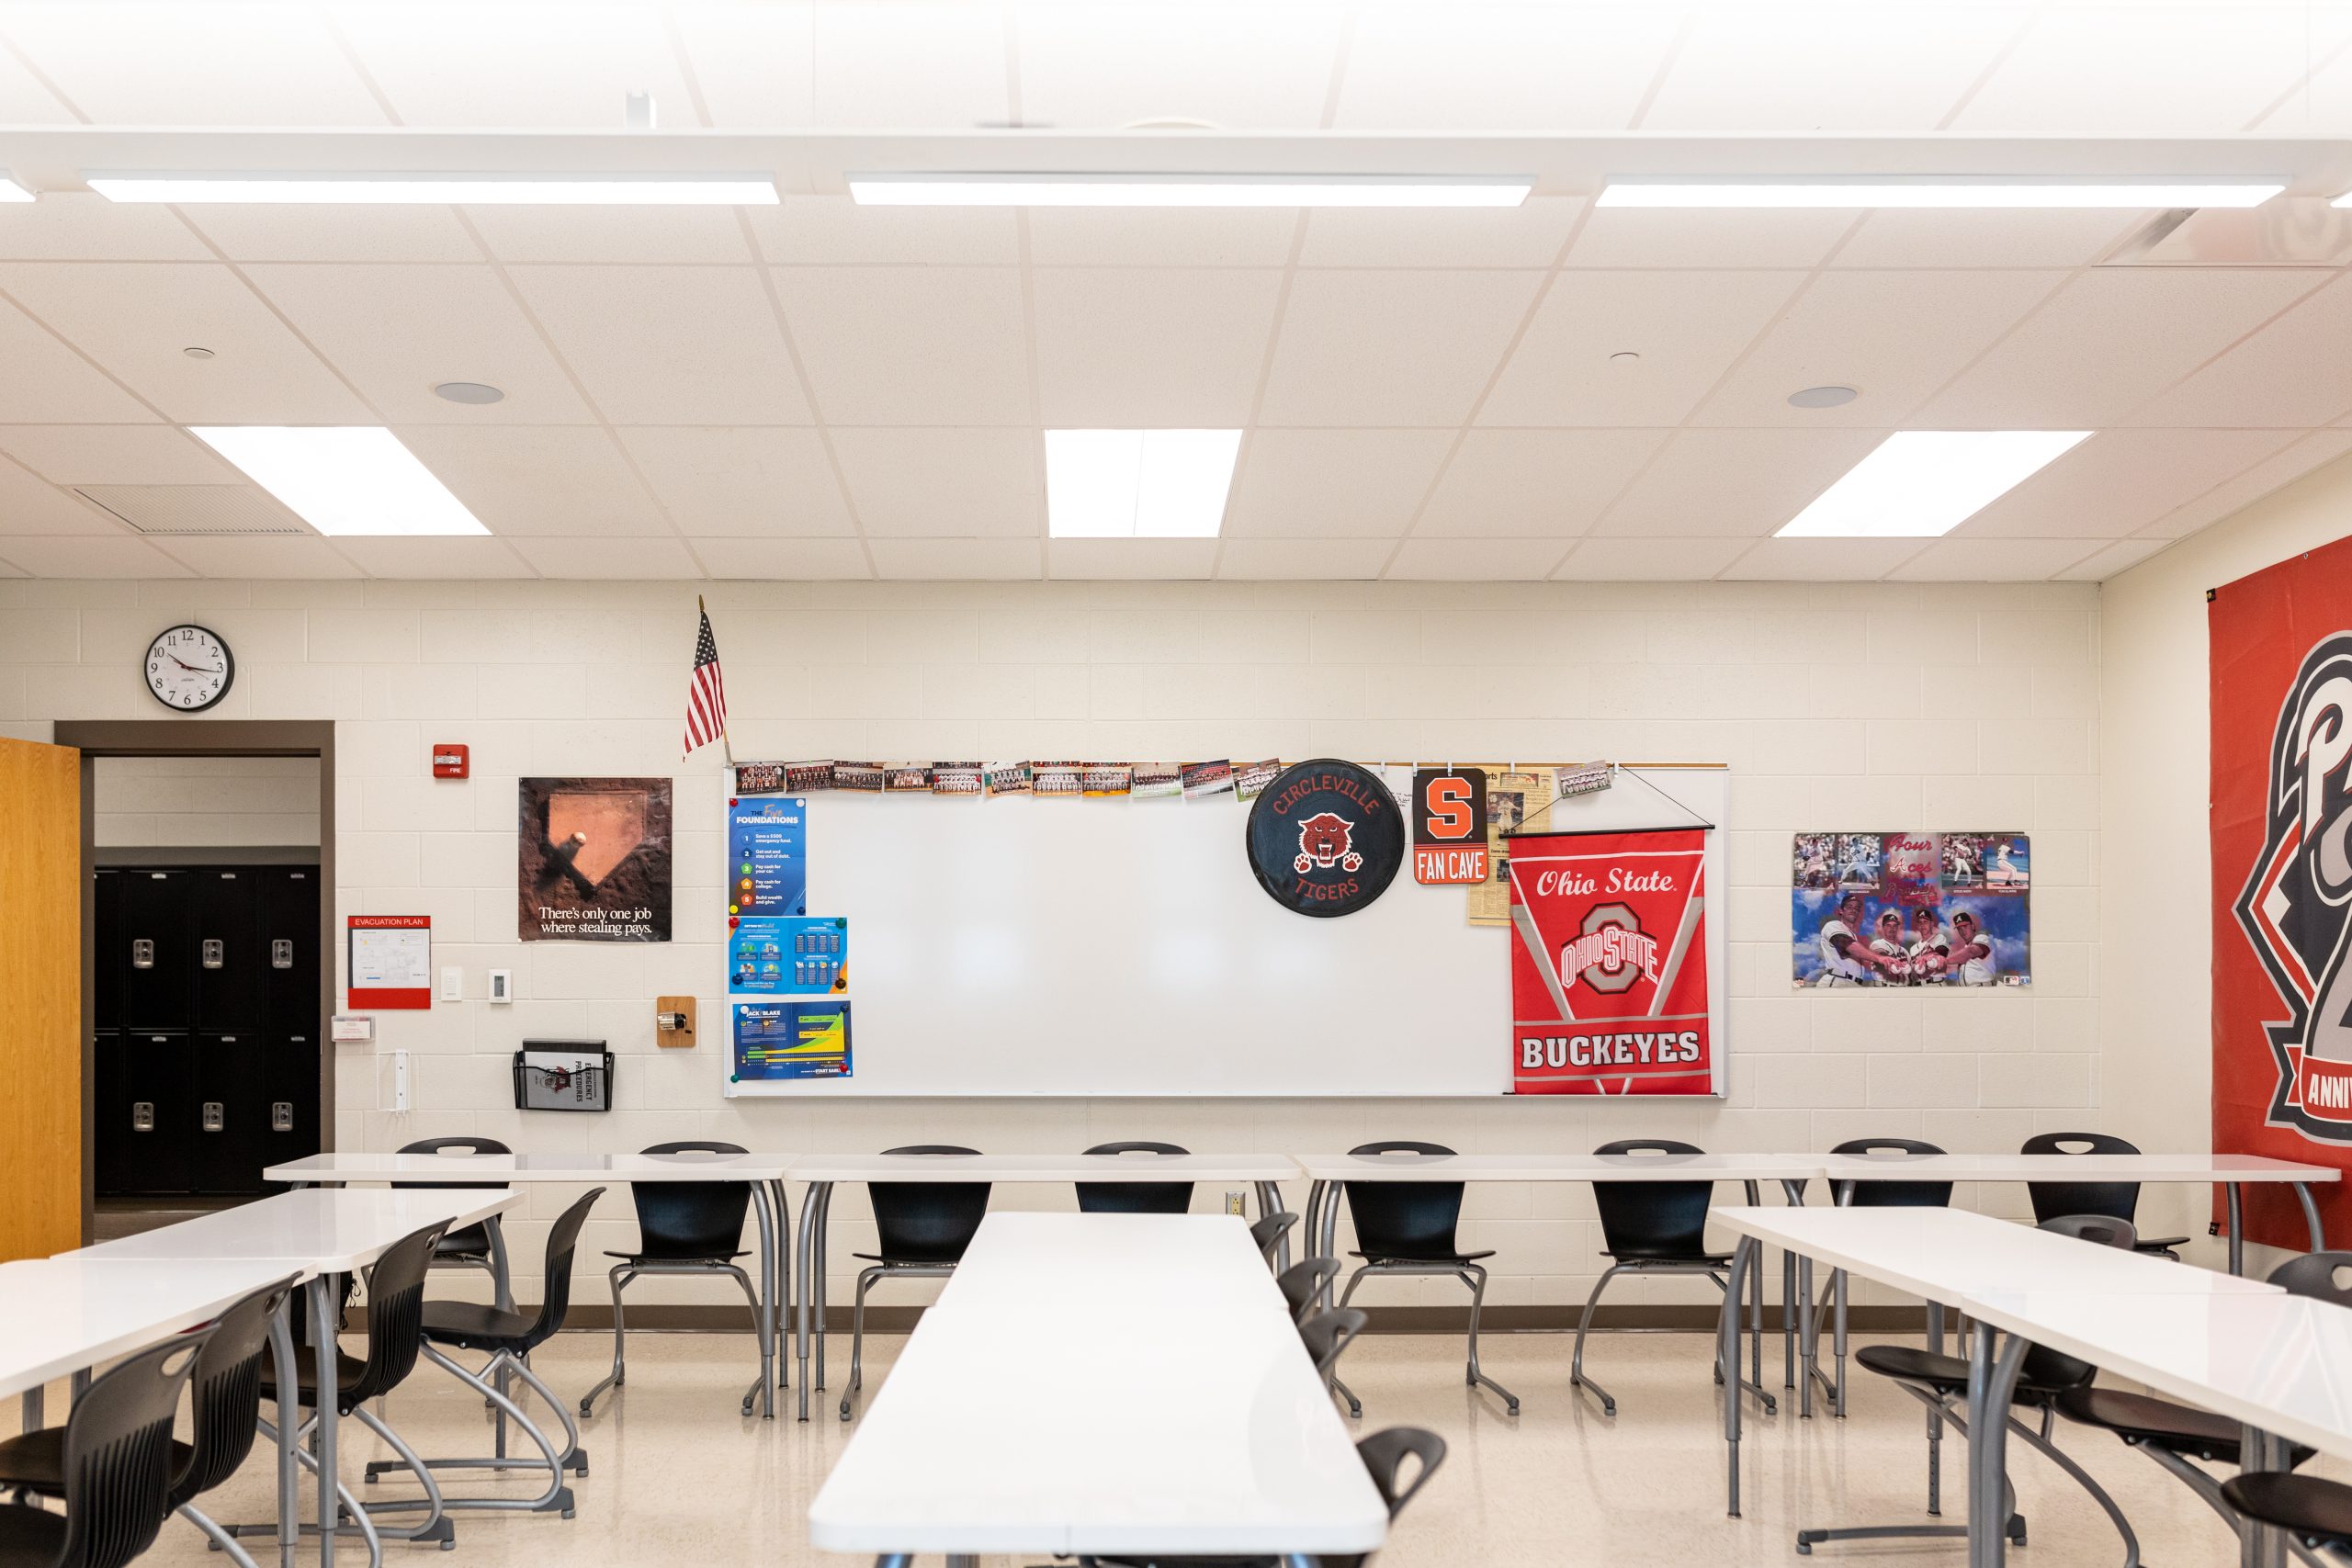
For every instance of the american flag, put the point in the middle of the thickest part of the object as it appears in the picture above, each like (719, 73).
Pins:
(705, 690)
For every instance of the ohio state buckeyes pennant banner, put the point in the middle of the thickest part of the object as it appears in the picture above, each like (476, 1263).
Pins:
(1609, 962)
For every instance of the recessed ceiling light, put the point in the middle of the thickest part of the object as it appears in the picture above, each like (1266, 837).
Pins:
(477, 190)
(195, 352)
(1186, 190)
(1937, 190)
(1138, 484)
(11, 191)
(468, 392)
(343, 479)
(1921, 484)
(1822, 397)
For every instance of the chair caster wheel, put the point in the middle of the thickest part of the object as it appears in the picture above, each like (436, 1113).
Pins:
(1608, 1408)
(1804, 1549)
(449, 1545)
(567, 1512)
(1513, 1407)
(1355, 1411)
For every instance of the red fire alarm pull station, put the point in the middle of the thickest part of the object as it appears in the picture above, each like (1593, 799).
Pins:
(450, 762)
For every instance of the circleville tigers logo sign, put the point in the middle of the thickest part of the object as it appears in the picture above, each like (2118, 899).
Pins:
(1326, 837)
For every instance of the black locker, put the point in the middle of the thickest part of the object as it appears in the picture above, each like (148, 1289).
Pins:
(288, 898)
(231, 1098)
(111, 1115)
(291, 1075)
(228, 963)
(159, 943)
(160, 1114)
(110, 958)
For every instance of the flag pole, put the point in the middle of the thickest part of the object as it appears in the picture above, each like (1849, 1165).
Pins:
(726, 745)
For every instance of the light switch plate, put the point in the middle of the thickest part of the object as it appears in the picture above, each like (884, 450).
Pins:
(453, 983)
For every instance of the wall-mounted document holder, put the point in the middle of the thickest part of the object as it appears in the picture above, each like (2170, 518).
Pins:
(558, 1075)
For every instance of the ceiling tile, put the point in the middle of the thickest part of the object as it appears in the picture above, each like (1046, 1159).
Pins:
(1674, 237)
(933, 64)
(2297, 371)
(1146, 236)
(341, 233)
(2110, 341)
(537, 479)
(1945, 240)
(134, 319)
(1995, 561)
(68, 225)
(1399, 349)
(1332, 484)
(1127, 559)
(457, 559)
(911, 345)
(24, 101)
(1291, 559)
(162, 63)
(1528, 235)
(755, 483)
(1820, 560)
(1476, 560)
(938, 484)
(755, 65)
(630, 235)
(1895, 336)
(668, 345)
(2319, 447)
(2119, 482)
(47, 380)
(1547, 484)
(454, 324)
(784, 560)
(285, 556)
(1741, 483)
(2116, 556)
(1828, 68)
(605, 560)
(116, 556)
(1649, 560)
(834, 231)
(1248, 66)
(2142, 70)
(1687, 327)
(115, 454)
(449, 64)
(29, 506)
(981, 560)
(1128, 347)
(1412, 66)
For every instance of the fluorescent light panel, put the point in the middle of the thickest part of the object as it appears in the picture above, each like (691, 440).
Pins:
(11, 191)
(1921, 484)
(343, 479)
(476, 190)
(1138, 484)
(1185, 190)
(1938, 191)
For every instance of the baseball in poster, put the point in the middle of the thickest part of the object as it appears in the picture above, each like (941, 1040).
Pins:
(593, 860)
(1945, 909)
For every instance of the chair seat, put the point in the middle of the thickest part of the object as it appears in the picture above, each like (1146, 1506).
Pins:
(2159, 1243)
(2141, 1418)
(476, 1326)
(347, 1371)
(471, 1243)
(1378, 1258)
(907, 1262)
(35, 1461)
(713, 1258)
(29, 1538)
(1946, 1374)
(1712, 1259)
(2307, 1504)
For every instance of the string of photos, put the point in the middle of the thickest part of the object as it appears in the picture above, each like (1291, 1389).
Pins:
(1526, 787)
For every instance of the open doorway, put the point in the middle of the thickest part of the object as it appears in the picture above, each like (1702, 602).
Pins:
(206, 1053)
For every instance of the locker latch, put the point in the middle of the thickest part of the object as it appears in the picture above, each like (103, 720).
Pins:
(281, 952)
(281, 1115)
(214, 951)
(143, 953)
(213, 1119)
(142, 1116)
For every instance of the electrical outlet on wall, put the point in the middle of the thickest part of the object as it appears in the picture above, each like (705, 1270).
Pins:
(1238, 1203)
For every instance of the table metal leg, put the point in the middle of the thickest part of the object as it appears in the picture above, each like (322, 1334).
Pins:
(1935, 1418)
(1991, 1382)
(1837, 1342)
(1743, 1258)
(1270, 1202)
(2238, 1228)
(2311, 1216)
(1793, 1191)
(812, 1205)
(326, 1308)
(764, 1390)
(1809, 1351)
(780, 1293)
(501, 1284)
(2261, 1545)
(1323, 1224)
(32, 1405)
(815, 1282)
(289, 1426)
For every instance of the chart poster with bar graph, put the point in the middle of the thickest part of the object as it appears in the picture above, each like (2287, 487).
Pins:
(787, 1042)
(1609, 962)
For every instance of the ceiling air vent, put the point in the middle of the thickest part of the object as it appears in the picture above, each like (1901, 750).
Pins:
(194, 509)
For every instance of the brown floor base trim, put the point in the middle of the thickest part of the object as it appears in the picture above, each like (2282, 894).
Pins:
(1385, 1320)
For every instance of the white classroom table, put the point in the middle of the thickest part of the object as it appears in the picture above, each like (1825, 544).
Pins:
(1955, 1257)
(822, 1172)
(1792, 1171)
(1167, 1408)
(326, 1234)
(2229, 1172)
(764, 1173)
(63, 1315)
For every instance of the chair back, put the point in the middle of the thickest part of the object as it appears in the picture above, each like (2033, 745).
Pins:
(928, 1222)
(395, 1318)
(225, 1392)
(1302, 1284)
(1328, 1333)
(1658, 1221)
(1893, 1194)
(118, 1456)
(2117, 1199)
(2045, 1368)
(1268, 1232)
(691, 1219)
(2313, 1275)
(1410, 1220)
(1383, 1454)
(563, 1240)
(1135, 1197)
(467, 1241)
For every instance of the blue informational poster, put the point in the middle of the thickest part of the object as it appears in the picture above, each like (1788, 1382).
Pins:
(776, 1041)
(805, 956)
(767, 856)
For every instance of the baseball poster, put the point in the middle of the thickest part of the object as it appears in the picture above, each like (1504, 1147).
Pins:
(2281, 792)
(592, 862)
(1939, 909)
(1609, 962)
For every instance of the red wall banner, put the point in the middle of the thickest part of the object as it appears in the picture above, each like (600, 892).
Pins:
(1609, 962)
(2281, 648)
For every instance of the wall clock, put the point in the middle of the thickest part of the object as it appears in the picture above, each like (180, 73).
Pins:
(189, 668)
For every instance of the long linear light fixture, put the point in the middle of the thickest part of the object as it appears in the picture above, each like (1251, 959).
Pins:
(11, 191)
(1921, 484)
(1187, 190)
(344, 480)
(1937, 191)
(483, 190)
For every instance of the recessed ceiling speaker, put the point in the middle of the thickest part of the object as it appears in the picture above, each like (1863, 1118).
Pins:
(1822, 398)
(468, 392)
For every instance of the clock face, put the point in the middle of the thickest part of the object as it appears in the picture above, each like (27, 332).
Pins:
(190, 668)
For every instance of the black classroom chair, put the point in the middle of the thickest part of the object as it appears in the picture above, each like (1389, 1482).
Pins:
(115, 1464)
(682, 1227)
(1135, 1197)
(1267, 1234)
(1940, 1382)
(1890, 1195)
(1304, 1283)
(1407, 1227)
(924, 1227)
(1326, 1334)
(2316, 1513)
(2118, 1200)
(468, 1246)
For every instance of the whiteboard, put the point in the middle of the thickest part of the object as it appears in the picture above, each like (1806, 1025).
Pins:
(1110, 948)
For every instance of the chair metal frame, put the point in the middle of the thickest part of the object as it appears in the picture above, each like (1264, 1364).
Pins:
(883, 1268)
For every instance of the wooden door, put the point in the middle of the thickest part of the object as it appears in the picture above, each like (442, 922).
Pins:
(40, 1000)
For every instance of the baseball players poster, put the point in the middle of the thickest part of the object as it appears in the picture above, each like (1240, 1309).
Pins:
(1939, 909)
(1609, 962)
(2281, 792)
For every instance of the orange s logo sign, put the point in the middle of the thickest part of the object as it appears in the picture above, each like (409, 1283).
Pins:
(1447, 802)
